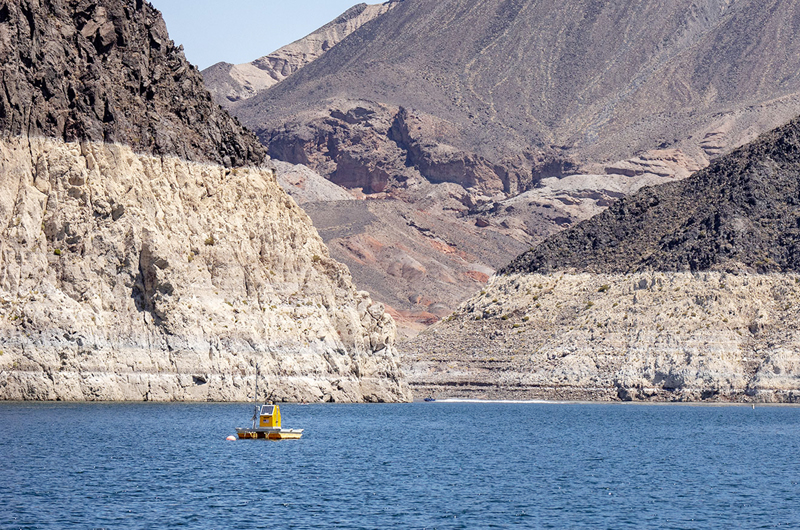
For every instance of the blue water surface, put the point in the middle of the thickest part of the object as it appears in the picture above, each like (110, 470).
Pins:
(422, 465)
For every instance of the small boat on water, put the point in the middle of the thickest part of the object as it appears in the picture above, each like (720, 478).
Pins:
(268, 416)
(429, 399)
(269, 425)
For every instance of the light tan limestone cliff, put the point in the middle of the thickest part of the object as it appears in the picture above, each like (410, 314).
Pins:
(132, 277)
(643, 336)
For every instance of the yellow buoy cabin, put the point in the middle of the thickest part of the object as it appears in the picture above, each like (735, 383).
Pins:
(269, 425)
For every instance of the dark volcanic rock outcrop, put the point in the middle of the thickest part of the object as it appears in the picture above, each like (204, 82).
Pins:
(742, 213)
(108, 72)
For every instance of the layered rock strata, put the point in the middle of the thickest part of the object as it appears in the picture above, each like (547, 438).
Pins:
(660, 336)
(131, 277)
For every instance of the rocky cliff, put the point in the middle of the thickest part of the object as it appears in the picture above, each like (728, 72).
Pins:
(684, 291)
(144, 269)
(229, 83)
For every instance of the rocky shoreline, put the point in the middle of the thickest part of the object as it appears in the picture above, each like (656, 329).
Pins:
(649, 336)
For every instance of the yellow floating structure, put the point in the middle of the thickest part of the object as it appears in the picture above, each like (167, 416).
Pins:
(269, 426)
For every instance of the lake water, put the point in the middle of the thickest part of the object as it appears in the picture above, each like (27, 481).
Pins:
(422, 465)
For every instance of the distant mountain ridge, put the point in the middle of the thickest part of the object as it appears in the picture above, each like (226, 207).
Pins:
(229, 83)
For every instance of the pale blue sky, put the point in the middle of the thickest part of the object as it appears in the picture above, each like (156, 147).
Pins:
(238, 31)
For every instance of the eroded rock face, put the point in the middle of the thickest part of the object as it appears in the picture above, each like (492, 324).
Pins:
(108, 72)
(381, 149)
(126, 276)
(644, 336)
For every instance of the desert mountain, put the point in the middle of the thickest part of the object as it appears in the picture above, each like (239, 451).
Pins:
(229, 83)
(510, 120)
(146, 250)
(685, 291)
(604, 80)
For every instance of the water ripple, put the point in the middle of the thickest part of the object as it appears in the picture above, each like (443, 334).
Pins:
(446, 466)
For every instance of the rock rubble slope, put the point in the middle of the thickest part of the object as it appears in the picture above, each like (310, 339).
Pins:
(684, 291)
(147, 270)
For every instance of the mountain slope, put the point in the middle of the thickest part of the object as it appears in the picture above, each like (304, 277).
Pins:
(229, 83)
(739, 214)
(685, 291)
(509, 120)
(145, 269)
(605, 80)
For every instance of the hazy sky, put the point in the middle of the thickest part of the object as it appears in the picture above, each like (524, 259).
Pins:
(238, 31)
